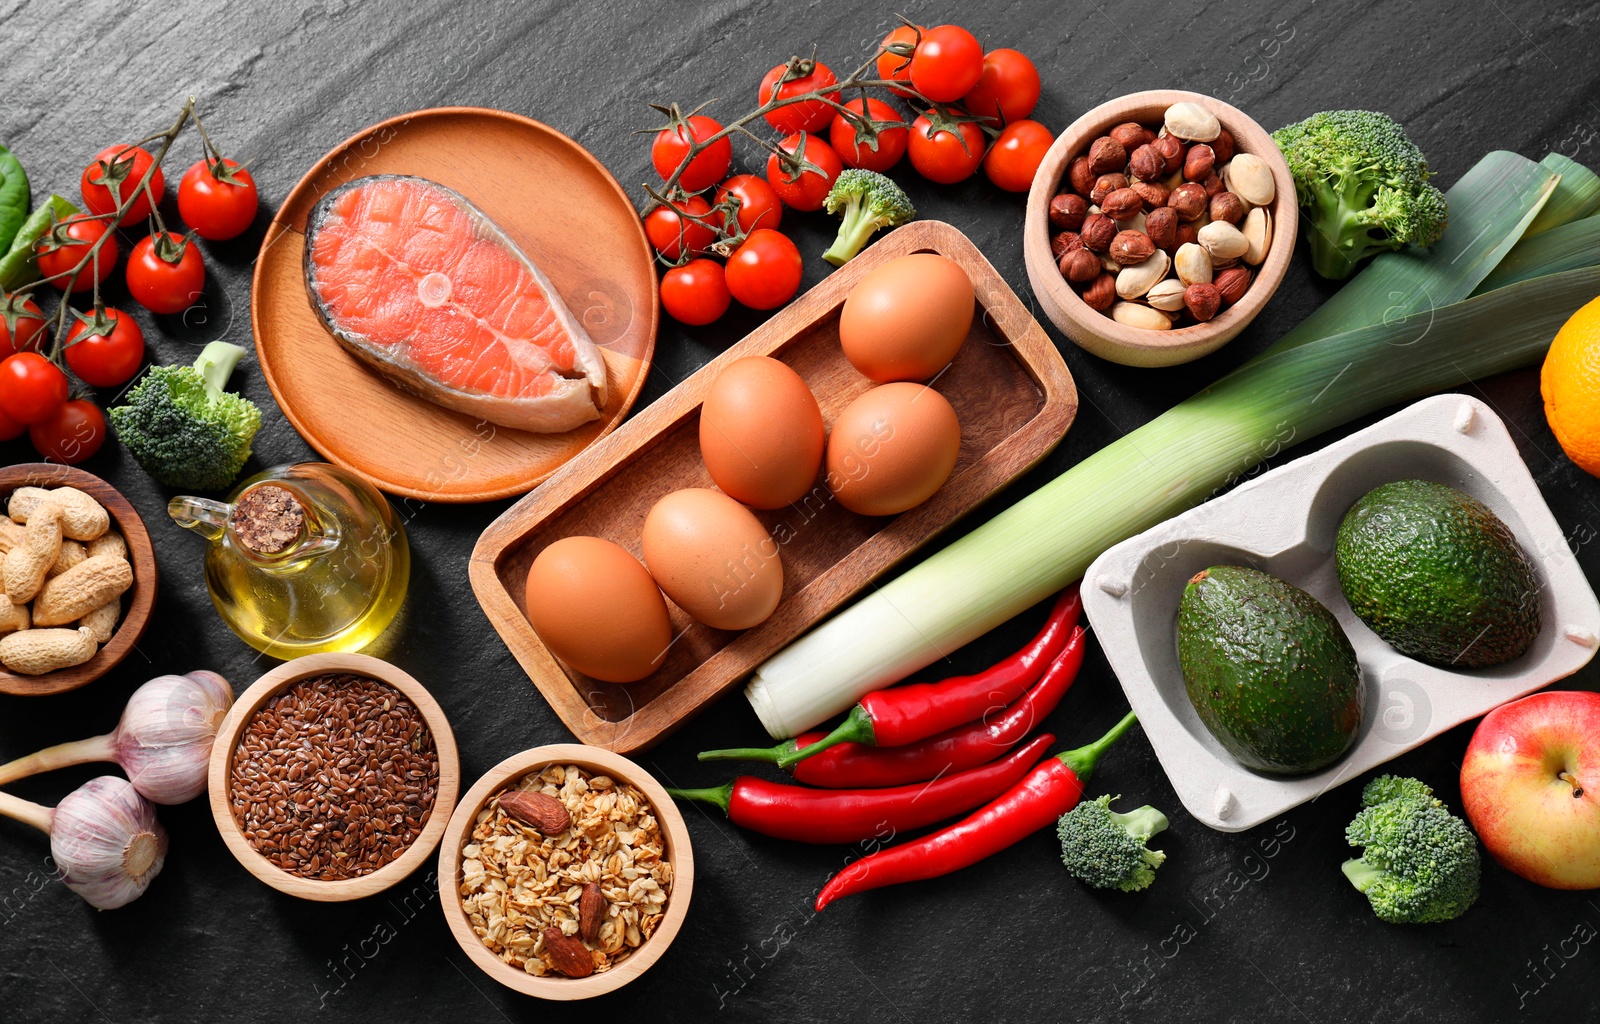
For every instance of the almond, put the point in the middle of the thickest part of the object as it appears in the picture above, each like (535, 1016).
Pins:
(591, 912)
(544, 814)
(567, 954)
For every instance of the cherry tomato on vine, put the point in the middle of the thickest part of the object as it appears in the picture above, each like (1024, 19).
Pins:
(668, 231)
(943, 155)
(122, 168)
(809, 188)
(29, 324)
(764, 272)
(165, 273)
(891, 141)
(947, 64)
(31, 387)
(109, 359)
(65, 247)
(217, 199)
(1008, 89)
(10, 429)
(1016, 155)
(671, 146)
(810, 116)
(72, 433)
(893, 66)
(695, 293)
(759, 205)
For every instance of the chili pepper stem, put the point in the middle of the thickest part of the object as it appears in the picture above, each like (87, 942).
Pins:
(1083, 759)
(856, 728)
(717, 795)
(27, 812)
(63, 755)
(766, 755)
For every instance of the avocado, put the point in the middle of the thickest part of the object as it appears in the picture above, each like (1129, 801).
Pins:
(1437, 575)
(1268, 670)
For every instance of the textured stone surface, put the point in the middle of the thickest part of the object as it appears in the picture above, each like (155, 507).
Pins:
(1258, 926)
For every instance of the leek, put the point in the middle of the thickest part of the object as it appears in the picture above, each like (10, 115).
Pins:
(1577, 196)
(1398, 331)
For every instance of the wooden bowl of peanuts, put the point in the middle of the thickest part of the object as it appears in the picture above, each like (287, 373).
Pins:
(590, 852)
(91, 550)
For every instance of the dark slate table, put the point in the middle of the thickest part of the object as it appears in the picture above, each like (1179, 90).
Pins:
(1257, 926)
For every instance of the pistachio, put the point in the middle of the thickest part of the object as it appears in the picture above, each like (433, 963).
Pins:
(1222, 240)
(1192, 122)
(1192, 263)
(1139, 278)
(1166, 295)
(1257, 233)
(1250, 177)
(1134, 314)
(1134, 223)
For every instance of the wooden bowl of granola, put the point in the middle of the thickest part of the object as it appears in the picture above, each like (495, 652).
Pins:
(598, 817)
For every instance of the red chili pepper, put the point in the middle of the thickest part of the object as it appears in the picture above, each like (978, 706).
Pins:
(850, 815)
(858, 766)
(1049, 791)
(899, 715)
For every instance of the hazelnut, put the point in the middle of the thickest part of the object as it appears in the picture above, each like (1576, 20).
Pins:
(1227, 207)
(1202, 300)
(1080, 266)
(1098, 231)
(1161, 224)
(1106, 155)
(1189, 199)
(1198, 162)
(1107, 184)
(1153, 195)
(1122, 204)
(1130, 247)
(1101, 293)
(1213, 184)
(1222, 146)
(1187, 232)
(1067, 211)
(1171, 149)
(1147, 163)
(1064, 242)
(1132, 135)
(1080, 177)
(1231, 284)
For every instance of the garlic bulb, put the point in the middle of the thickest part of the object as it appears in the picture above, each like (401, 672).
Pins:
(104, 837)
(163, 741)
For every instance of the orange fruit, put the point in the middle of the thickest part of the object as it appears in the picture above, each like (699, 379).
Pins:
(1570, 384)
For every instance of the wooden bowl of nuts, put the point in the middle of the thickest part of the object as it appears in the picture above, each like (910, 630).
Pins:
(83, 579)
(333, 813)
(1158, 226)
(593, 854)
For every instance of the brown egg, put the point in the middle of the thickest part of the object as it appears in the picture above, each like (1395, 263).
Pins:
(713, 558)
(761, 433)
(597, 609)
(892, 448)
(907, 319)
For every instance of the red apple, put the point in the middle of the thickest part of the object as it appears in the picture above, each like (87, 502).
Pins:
(1531, 786)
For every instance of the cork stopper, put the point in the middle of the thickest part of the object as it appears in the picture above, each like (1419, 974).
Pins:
(268, 519)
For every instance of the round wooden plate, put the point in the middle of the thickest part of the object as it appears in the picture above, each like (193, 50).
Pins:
(558, 204)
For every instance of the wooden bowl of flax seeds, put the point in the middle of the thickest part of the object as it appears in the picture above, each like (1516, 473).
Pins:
(333, 776)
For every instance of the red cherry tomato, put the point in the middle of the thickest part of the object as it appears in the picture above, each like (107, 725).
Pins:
(10, 429)
(31, 387)
(71, 434)
(893, 66)
(30, 323)
(809, 189)
(1016, 154)
(65, 247)
(947, 64)
(668, 231)
(891, 141)
(945, 155)
(1008, 89)
(759, 205)
(160, 283)
(710, 167)
(764, 272)
(122, 167)
(810, 116)
(218, 202)
(109, 359)
(695, 293)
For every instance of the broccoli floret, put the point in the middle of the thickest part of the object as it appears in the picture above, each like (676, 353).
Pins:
(1107, 849)
(183, 428)
(869, 201)
(1363, 186)
(1420, 863)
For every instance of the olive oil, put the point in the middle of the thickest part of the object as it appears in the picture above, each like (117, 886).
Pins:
(303, 559)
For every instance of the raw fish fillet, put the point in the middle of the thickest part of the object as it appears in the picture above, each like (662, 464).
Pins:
(416, 281)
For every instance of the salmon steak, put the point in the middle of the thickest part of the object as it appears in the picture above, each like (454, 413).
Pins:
(417, 282)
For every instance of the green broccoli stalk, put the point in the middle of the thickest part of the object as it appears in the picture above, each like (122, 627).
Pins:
(183, 428)
(1363, 186)
(869, 201)
(1420, 863)
(1106, 849)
